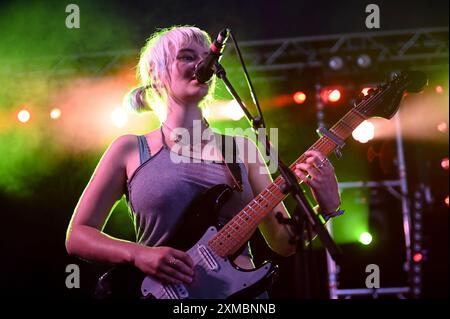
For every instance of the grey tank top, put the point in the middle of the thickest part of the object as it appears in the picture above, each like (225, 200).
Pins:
(160, 190)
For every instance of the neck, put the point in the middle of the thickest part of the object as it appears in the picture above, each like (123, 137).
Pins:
(182, 114)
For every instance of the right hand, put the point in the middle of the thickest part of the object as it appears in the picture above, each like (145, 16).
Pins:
(167, 264)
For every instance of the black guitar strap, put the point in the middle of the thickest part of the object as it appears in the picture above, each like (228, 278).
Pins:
(231, 159)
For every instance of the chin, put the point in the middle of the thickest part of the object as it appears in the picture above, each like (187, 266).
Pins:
(199, 94)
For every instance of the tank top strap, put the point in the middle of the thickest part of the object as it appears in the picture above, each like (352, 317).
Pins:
(144, 149)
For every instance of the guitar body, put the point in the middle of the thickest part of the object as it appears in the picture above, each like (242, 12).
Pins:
(215, 276)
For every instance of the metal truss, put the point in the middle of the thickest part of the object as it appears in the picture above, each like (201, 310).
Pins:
(425, 47)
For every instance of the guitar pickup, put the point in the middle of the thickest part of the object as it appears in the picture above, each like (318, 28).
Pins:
(208, 258)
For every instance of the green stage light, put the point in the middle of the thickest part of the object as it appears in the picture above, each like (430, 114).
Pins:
(365, 238)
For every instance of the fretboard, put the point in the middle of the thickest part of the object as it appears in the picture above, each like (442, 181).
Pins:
(236, 232)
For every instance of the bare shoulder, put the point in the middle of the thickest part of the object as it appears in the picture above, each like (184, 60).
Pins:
(123, 146)
(127, 149)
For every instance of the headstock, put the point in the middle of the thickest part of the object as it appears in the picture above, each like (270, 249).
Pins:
(384, 101)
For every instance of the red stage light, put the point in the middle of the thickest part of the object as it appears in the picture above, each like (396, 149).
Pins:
(444, 164)
(439, 89)
(418, 257)
(299, 97)
(446, 201)
(334, 95)
(330, 95)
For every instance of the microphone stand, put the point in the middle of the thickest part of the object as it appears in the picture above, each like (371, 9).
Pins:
(303, 211)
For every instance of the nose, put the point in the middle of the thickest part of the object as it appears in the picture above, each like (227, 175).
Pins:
(198, 64)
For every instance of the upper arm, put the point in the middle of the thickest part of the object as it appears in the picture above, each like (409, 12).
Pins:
(105, 186)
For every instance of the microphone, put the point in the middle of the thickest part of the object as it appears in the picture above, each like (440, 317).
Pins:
(204, 70)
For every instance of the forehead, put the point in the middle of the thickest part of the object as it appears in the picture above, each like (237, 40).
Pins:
(193, 47)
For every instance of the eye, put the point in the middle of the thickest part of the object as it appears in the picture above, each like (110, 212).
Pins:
(188, 58)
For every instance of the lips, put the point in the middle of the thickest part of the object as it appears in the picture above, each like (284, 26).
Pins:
(198, 83)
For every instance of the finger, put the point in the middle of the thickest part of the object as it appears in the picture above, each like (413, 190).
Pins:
(310, 169)
(180, 266)
(171, 272)
(314, 153)
(185, 258)
(315, 161)
(308, 181)
(303, 177)
(168, 279)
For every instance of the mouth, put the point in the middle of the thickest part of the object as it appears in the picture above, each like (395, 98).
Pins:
(207, 83)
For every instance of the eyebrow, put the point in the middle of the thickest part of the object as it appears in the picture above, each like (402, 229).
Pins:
(190, 50)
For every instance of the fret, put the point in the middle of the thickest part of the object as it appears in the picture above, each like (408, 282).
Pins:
(249, 219)
(243, 220)
(348, 127)
(328, 142)
(253, 210)
(231, 237)
(342, 128)
(245, 213)
(265, 199)
(254, 214)
(274, 197)
(232, 228)
(355, 111)
(254, 200)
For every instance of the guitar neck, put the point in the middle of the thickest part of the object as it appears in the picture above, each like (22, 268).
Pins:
(235, 233)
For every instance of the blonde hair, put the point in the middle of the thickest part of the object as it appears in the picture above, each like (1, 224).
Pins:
(153, 68)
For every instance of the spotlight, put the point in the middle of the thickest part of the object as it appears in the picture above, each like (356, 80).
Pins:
(364, 61)
(55, 114)
(234, 111)
(365, 238)
(330, 95)
(439, 89)
(23, 116)
(364, 132)
(444, 164)
(207, 112)
(334, 95)
(418, 257)
(299, 97)
(119, 117)
(446, 201)
(442, 127)
(336, 63)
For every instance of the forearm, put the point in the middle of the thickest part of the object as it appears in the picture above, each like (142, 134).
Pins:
(89, 243)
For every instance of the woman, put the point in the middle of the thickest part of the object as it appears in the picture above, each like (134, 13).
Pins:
(159, 186)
